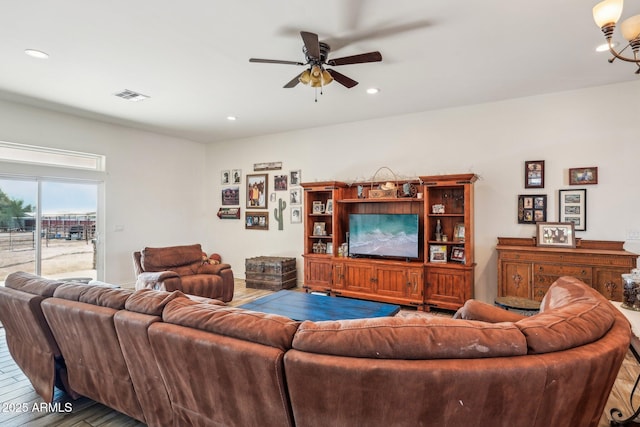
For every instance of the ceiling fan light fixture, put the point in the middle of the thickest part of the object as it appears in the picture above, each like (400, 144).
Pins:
(305, 77)
(326, 78)
(316, 57)
(315, 76)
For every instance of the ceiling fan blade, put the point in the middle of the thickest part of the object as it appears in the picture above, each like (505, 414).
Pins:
(342, 79)
(381, 31)
(275, 61)
(312, 44)
(293, 82)
(357, 59)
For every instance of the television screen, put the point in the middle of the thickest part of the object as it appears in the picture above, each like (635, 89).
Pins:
(383, 235)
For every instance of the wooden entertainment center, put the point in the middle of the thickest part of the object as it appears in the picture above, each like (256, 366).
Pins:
(442, 273)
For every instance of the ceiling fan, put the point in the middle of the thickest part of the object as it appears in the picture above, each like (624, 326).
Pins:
(316, 52)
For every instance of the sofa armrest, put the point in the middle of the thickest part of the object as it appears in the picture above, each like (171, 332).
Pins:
(478, 310)
(154, 280)
(212, 268)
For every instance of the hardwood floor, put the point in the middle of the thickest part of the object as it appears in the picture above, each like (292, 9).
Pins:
(21, 406)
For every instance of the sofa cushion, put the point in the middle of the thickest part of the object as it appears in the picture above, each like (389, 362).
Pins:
(572, 314)
(32, 284)
(413, 338)
(478, 310)
(147, 301)
(267, 329)
(152, 302)
(568, 290)
(103, 296)
(160, 259)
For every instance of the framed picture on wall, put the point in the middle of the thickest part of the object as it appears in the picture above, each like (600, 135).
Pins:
(532, 208)
(296, 215)
(256, 220)
(295, 196)
(231, 196)
(583, 176)
(225, 177)
(534, 174)
(295, 177)
(572, 205)
(280, 182)
(257, 190)
(236, 176)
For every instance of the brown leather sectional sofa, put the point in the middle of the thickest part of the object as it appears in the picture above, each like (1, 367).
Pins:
(166, 359)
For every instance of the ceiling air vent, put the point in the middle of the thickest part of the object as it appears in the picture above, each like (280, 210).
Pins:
(130, 95)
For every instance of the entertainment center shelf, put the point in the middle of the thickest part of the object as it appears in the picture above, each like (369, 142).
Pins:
(414, 250)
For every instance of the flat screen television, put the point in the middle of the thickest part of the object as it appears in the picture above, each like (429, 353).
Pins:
(383, 235)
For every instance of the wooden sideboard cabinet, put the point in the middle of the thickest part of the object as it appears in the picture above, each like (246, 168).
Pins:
(527, 271)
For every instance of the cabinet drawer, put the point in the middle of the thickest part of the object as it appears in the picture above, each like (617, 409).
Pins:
(580, 272)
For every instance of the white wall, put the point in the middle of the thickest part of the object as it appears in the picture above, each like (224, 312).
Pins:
(591, 127)
(166, 190)
(154, 186)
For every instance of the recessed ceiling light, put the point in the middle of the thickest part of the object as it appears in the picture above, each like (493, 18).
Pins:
(36, 53)
(373, 90)
(605, 47)
(232, 118)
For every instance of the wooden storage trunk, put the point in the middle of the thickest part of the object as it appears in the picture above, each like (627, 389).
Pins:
(272, 273)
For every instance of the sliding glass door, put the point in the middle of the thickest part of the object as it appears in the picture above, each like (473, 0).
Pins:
(48, 227)
(18, 238)
(68, 229)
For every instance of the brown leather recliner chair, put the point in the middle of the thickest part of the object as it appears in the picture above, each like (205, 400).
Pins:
(183, 268)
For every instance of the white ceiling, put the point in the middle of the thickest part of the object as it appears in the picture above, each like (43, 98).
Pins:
(191, 57)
